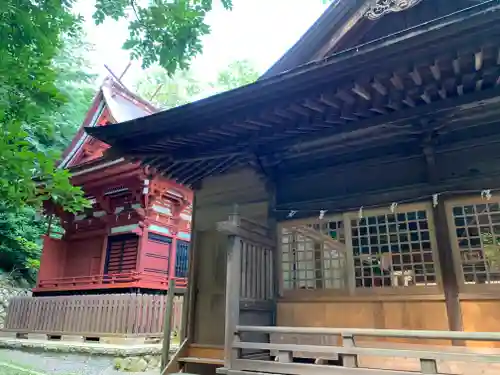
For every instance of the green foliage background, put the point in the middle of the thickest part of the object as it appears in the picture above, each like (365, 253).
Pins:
(46, 88)
(40, 137)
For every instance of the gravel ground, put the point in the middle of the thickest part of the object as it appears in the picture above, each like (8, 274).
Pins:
(59, 364)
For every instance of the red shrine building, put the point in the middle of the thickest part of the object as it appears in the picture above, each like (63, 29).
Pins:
(135, 237)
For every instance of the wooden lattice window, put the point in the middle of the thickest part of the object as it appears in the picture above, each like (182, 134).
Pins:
(182, 259)
(311, 256)
(476, 233)
(393, 249)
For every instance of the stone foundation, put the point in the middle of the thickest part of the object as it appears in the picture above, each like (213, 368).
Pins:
(6, 293)
(126, 358)
(138, 363)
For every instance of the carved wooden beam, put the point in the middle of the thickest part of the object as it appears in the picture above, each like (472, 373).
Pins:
(380, 8)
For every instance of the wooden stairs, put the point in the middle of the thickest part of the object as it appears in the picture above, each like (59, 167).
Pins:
(195, 354)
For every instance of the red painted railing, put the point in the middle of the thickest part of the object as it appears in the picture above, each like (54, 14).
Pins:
(105, 281)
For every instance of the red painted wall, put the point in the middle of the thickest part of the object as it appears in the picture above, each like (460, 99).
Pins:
(52, 259)
(155, 257)
(82, 256)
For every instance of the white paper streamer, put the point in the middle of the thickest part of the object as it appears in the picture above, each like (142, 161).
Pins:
(486, 194)
(435, 200)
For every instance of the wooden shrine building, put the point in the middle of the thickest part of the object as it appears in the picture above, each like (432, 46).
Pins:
(136, 235)
(106, 276)
(347, 204)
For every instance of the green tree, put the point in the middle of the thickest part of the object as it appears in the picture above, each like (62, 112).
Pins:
(238, 73)
(166, 91)
(20, 242)
(77, 84)
(164, 32)
(32, 33)
(44, 95)
(30, 37)
(20, 230)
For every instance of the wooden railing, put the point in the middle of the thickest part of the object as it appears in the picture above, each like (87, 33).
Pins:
(104, 281)
(428, 359)
(92, 316)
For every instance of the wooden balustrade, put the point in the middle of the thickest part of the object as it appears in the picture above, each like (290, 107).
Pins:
(106, 281)
(93, 315)
(430, 359)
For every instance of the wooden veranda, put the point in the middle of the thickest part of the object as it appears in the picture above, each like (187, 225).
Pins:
(255, 348)
(366, 179)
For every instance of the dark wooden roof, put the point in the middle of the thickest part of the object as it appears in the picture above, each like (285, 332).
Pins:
(384, 92)
(343, 26)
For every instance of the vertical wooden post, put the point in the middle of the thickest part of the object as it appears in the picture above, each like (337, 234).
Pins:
(444, 248)
(273, 231)
(233, 281)
(184, 317)
(167, 325)
(448, 274)
(349, 256)
(172, 258)
(104, 252)
(349, 360)
(141, 248)
(49, 227)
(189, 302)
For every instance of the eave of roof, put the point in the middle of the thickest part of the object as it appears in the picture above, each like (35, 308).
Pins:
(160, 140)
(200, 114)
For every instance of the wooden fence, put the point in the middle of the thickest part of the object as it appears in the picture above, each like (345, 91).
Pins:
(124, 315)
(368, 358)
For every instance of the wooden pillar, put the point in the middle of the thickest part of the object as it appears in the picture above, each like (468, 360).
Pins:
(189, 301)
(273, 231)
(104, 250)
(233, 282)
(172, 257)
(446, 262)
(350, 276)
(167, 325)
(445, 250)
(142, 247)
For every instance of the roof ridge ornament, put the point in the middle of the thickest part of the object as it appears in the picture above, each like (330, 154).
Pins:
(380, 8)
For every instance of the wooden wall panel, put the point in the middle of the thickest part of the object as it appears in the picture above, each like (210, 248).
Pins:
(481, 316)
(155, 255)
(371, 314)
(52, 259)
(419, 315)
(80, 255)
(216, 198)
(210, 284)
(457, 163)
(351, 178)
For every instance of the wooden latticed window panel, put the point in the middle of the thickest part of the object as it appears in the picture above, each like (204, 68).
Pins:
(393, 250)
(310, 255)
(476, 236)
(121, 255)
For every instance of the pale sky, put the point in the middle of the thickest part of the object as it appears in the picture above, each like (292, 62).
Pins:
(258, 30)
